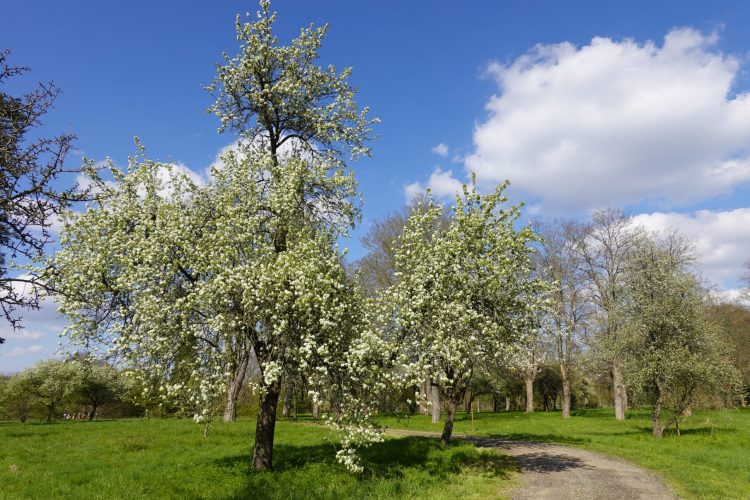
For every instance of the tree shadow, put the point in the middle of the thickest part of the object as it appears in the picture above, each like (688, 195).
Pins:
(541, 438)
(692, 431)
(395, 461)
(546, 462)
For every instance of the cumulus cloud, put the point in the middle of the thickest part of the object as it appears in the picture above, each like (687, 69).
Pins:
(442, 184)
(616, 123)
(291, 147)
(722, 239)
(441, 149)
(42, 326)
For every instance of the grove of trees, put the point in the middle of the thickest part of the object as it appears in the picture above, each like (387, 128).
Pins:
(196, 293)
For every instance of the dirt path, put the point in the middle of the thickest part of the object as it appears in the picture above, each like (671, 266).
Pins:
(561, 472)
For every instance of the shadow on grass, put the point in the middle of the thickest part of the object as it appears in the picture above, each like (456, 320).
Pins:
(313, 472)
(694, 431)
(542, 438)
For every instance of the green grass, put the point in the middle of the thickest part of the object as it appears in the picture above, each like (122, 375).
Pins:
(171, 459)
(711, 458)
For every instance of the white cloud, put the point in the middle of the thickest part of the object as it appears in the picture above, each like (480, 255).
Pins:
(291, 147)
(43, 325)
(722, 239)
(413, 190)
(616, 123)
(733, 295)
(441, 149)
(442, 184)
(23, 351)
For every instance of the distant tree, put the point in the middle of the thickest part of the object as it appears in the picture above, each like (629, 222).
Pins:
(735, 322)
(14, 402)
(31, 169)
(47, 384)
(564, 322)
(604, 250)
(549, 385)
(673, 346)
(96, 384)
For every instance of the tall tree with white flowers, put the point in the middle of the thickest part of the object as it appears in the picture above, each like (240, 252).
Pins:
(199, 279)
(464, 297)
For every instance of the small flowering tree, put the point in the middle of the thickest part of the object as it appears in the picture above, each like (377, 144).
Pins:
(464, 298)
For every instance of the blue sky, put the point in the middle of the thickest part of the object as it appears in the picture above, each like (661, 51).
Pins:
(557, 96)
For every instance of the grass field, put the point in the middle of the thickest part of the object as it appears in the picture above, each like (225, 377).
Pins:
(710, 459)
(171, 459)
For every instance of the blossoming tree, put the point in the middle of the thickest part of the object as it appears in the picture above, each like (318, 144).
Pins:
(180, 277)
(464, 298)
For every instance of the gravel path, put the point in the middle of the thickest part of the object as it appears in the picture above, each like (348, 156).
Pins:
(561, 472)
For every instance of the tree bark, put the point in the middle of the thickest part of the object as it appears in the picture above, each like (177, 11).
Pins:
(92, 415)
(426, 391)
(529, 381)
(50, 414)
(435, 398)
(287, 404)
(233, 391)
(265, 427)
(621, 401)
(315, 411)
(469, 401)
(656, 428)
(449, 417)
(507, 403)
(566, 391)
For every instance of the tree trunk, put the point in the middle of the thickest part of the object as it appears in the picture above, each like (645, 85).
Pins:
(529, 381)
(265, 427)
(50, 414)
(426, 390)
(449, 417)
(566, 396)
(495, 404)
(435, 398)
(315, 411)
(656, 429)
(621, 400)
(507, 403)
(92, 415)
(287, 404)
(233, 391)
(469, 401)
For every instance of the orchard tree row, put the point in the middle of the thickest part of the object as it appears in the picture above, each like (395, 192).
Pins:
(78, 387)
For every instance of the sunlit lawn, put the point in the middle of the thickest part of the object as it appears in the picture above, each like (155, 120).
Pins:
(710, 459)
(171, 459)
